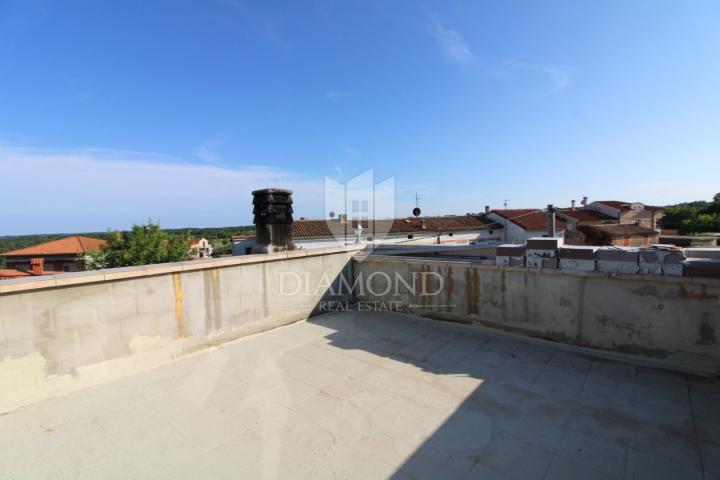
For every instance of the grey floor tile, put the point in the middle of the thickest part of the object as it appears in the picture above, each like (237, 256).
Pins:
(374, 397)
(569, 467)
(652, 466)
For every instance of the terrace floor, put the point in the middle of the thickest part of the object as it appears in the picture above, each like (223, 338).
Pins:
(374, 395)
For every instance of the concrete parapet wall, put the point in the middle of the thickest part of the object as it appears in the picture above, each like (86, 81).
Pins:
(674, 321)
(62, 333)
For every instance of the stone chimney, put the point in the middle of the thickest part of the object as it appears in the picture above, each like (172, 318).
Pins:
(343, 218)
(37, 266)
(487, 208)
(572, 204)
(584, 202)
(273, 220)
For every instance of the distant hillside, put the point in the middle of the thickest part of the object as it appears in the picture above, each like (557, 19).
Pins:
(220, 237)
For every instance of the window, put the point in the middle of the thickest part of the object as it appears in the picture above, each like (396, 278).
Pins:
(248, 250)
(490, 232)
(410, 237)
(450, 234)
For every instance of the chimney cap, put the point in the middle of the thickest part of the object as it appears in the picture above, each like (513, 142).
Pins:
(272, 190)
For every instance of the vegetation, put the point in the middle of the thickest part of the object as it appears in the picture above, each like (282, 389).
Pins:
(693, 217)
(219, 237)
(143, 245)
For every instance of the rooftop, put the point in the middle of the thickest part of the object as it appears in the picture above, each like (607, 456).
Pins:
(585, 215)
(449, 223)
(621, 205)
(529, 218)
(13, 273)
(63, 246)
(613, 203)
(621, 229)
(375, 395)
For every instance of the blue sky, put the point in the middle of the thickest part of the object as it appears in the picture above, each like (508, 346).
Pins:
(115, 111)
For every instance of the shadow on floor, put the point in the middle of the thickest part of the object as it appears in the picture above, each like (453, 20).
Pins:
(522, 409)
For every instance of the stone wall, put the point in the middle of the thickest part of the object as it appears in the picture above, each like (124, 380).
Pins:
(61, 333)
(674, 321)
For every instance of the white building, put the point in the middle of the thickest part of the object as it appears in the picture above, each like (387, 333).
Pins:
(201, 248)
(523, 223)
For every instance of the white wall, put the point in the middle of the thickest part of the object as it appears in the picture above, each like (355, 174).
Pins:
(65, 332)
(672, 320)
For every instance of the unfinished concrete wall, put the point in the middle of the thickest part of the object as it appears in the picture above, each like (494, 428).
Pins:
(61, 333)
(672, 320)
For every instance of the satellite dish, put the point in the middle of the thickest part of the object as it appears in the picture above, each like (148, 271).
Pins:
(416, 211)
(332, 214)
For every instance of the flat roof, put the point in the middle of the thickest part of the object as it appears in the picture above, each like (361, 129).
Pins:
(375, 395)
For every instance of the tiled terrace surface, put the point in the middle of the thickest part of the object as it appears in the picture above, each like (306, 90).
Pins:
(370, 395)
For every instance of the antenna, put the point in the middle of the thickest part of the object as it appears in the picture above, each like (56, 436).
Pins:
(416, 211)
(505, 203)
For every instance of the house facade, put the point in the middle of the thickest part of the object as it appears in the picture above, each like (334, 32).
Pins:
(619, 235)
(629, 212)
(62, 255)
(576, 218)
(201, 248)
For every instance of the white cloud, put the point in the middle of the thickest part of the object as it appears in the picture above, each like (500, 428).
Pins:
(204, 153)
(452, 43)
(91, 189)
(554, 78)
(559, 78)
(207, 151)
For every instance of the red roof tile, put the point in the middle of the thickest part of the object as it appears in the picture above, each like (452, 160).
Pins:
(530, 218)
(586, 215)
(63, 246)
(450, 223)
(12, 273)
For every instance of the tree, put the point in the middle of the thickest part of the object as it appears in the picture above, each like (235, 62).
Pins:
(693, 217)
(714, 207)
(143, 245)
